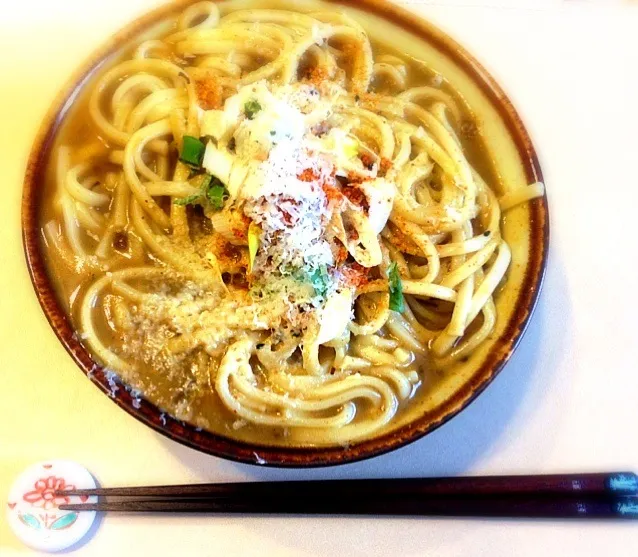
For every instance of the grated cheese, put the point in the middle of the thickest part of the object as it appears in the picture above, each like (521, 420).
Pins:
(288, 145)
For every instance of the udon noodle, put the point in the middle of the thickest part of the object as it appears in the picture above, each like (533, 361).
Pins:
(268, 213)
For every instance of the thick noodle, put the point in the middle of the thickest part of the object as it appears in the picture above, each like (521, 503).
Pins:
(117, 223)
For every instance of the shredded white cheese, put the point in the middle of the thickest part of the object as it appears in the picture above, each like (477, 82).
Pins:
(275, 149)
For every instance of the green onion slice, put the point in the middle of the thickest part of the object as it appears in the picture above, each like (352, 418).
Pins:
(396, 288)
(192, 151)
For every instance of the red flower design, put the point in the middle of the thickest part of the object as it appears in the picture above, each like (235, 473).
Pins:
(43, 494)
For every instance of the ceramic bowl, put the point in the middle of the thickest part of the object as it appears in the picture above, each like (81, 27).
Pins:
(526, 228)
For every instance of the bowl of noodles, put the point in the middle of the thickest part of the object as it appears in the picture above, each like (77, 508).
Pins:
(287, 234)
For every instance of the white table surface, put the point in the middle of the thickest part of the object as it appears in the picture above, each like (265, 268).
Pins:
(567, 401)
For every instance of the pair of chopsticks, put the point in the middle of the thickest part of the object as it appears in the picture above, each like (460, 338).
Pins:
(601, 495)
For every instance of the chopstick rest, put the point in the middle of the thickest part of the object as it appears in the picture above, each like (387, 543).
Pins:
(33, 511)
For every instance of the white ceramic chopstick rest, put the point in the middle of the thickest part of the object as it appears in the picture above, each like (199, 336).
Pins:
(32, 506)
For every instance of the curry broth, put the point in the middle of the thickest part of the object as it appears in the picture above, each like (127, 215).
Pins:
(187, 393)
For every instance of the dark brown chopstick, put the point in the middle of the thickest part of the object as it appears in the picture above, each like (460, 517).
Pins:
(608, 495)
(521, 506)
(602, 484)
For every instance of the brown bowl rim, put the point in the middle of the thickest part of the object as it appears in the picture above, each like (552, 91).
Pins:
(251, 453)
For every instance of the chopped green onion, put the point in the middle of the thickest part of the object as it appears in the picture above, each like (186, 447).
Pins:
(350, 146)
(320, 280)
(192, 151)
(205, 182)
(253, 244)
(190, 200)
(251, 108)
(216, 193)
(396, 288)
(201, 181)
